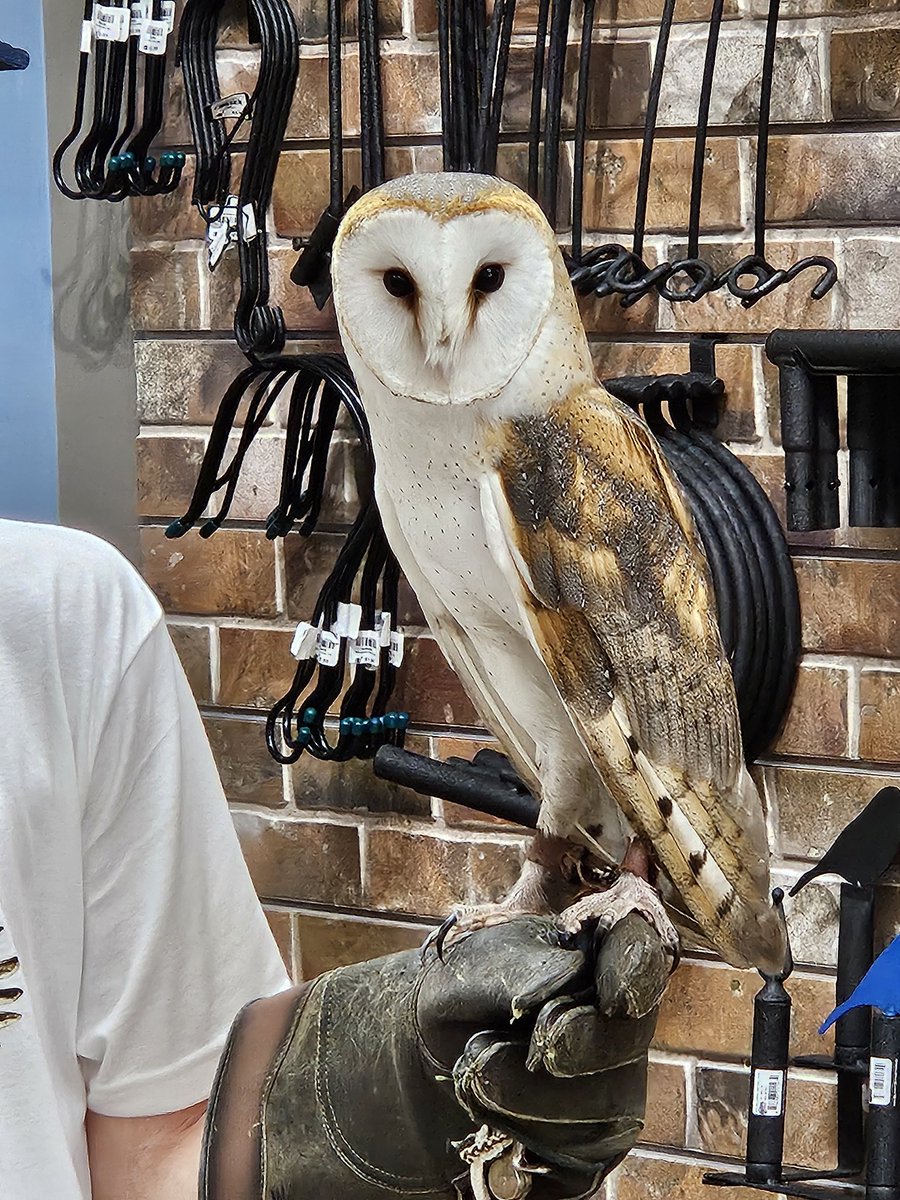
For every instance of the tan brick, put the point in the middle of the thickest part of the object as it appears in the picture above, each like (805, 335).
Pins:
(176, 127)
(259, 482)
(352, 785)
(302, 187)
(850, 606)
(301, 861)
(313, 19)
(870, 282)
(494, 868)
(768, 470)
(231, 572)
(607, 315)
(735, 366)
(300, 312)
(810, 1125)
(329, 942)
(428, 690)
(835, 179)
(611, 175)
(641, 1178)
(865, 72)
(411, 93)
(665, 1120)
(165, 289)
(308, 561)
(620, 74)
(709, 1009)
(170, 217)
(648, 12)
(615, 359)
(256, 666)
(816, 724)
(249, 774)
(166, 473)
(790, 305)
(183, 382)
(417, 872)
(796, 90)
(309, 111)
(281, 923)
(814, 805)
(879, 715)
(193, 645)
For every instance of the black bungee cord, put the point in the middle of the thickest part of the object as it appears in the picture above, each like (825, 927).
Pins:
(127, 44)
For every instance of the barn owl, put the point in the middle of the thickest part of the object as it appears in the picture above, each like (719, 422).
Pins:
(554, 557)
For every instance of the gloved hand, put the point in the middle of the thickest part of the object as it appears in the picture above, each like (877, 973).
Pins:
(516, 1066)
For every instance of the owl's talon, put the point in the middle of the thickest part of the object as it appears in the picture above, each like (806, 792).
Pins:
(443, 932)
(628, 894)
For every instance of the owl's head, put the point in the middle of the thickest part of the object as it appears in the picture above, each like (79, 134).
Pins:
(443, 284)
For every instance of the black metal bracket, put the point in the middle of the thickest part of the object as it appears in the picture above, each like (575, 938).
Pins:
(809, 363)
(868, 1143)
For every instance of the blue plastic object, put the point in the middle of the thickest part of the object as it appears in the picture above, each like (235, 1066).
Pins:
(879, 987)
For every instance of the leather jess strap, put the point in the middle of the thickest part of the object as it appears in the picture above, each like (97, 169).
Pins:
(231, 1165)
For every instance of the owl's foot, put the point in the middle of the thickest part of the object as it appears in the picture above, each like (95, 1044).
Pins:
(629, 893)
(468, 918)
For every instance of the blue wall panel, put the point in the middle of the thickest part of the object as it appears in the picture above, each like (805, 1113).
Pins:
(28, 463)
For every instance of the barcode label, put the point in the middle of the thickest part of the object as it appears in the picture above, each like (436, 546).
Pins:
(348, 618)
(395, 655)
(138, 17)
(111, 24)
(881, 1081)
(229, 106)
(87, 36)
(167, 13)
(153, 37)
(383, 625)
(768, 1093)
(328, 649)
(365, 649)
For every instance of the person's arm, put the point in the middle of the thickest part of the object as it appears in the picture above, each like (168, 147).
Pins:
(145, 1158)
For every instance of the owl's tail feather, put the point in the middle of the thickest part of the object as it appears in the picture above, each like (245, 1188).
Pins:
(712, 846)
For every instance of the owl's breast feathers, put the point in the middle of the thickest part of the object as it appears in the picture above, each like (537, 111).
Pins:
(622, 612)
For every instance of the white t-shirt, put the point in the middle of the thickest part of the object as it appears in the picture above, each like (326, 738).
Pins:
(123, 893)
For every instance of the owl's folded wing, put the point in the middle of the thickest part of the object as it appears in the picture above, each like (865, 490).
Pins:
(621, 609)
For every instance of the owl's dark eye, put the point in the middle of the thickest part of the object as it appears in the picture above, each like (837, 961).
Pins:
(398, 283)
(489, 278)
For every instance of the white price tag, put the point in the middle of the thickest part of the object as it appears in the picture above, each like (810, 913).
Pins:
(111, 24)
(348, 619)
(365, 649)
(395, 657)
(168, 13)
(882, 1082)
(153, 38)
(383, 625)
(304, 643)
(229, 106)
(768, 1093)
(87, 36)
(328, 649)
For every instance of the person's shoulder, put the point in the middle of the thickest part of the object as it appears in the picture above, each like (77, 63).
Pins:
(66, 576)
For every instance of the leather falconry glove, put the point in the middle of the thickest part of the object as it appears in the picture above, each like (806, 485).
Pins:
(516, 1066)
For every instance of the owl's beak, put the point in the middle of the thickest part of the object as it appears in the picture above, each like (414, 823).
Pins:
(442, 327)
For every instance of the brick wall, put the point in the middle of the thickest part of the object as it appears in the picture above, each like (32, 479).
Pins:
(350, 867)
